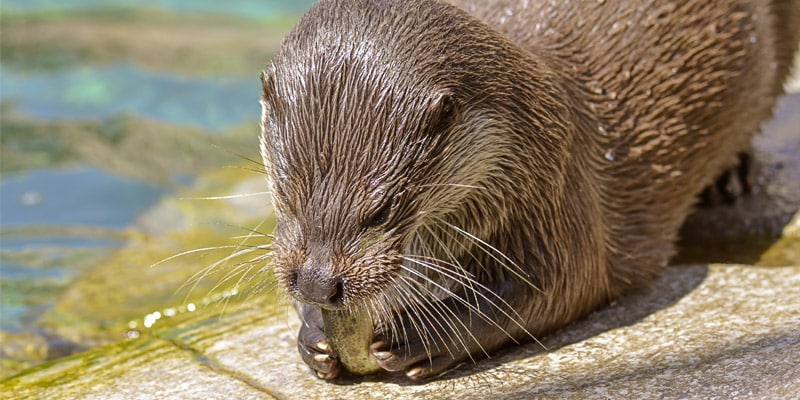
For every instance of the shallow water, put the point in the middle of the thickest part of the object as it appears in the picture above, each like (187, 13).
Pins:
(81, 189)
(93, 92)
(79, 196)
(242, 8)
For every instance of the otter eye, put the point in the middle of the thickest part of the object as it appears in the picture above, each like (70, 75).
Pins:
(381, 216)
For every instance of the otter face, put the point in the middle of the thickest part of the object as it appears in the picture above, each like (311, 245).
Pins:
(347, 158)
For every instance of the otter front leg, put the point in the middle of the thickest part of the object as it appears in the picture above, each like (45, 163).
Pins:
(438, 336)
(313, 345)
(731, 184)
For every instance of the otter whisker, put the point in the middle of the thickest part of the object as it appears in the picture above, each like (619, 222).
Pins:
(414, 303)
(469, 275)
(231, 196)
(247, 266)
(455, 275)
(386, 322)
(235, 253)
(454, 260)
(402, 301)
(257, 163)
(398, 302)
(255, 232)
(517, 271)
(475, 310)
(261, 285)
(513, 314)
(237, 271)
(197, 277)
(423, 319)
(466, 249)
(193, 251)
(264, 259)
(447, 315)
(516, 318)
(424, 296)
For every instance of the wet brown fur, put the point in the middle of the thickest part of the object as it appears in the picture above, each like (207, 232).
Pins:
(572, 137)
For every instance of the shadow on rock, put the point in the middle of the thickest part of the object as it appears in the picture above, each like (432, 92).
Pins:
(671, 287)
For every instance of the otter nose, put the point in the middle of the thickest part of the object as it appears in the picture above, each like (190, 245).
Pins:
(319, 286)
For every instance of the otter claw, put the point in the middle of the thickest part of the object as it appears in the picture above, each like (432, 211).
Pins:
(414, 372)
(322, 346)
(323, 364)
(314, 348)
(375, 347)
(327, 376)
(377, 352)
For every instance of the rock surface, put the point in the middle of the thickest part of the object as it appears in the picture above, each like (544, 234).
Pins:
(700, 331)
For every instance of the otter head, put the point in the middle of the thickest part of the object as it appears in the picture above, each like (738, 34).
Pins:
(376, 134)
(345, 155)
(349, 145)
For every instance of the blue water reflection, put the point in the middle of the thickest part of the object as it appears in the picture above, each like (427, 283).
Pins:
(55, 200)
(96, 92)
(242, 8)
(85, 196)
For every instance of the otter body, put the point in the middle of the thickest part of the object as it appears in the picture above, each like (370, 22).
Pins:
(477, 174)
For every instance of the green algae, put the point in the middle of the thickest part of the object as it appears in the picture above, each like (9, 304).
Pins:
(103, 363)
(189, 263)
(175, 354)
(785, 251)
(116, 144)
(148, 283)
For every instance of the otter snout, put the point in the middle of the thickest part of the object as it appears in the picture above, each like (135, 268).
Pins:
(318, 285)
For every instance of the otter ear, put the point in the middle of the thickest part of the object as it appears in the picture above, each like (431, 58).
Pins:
(269, 96)
(267, 85)
(443, 111)
(268, 104)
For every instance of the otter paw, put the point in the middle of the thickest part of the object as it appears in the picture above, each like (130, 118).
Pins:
(414, 359)
(317, 353)
(731, 184)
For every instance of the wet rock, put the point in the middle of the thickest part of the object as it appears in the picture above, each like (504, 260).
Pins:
(21, 350)
(700, 331)
(147, 368)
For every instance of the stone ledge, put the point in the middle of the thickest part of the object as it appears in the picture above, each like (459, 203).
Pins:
(700, 331)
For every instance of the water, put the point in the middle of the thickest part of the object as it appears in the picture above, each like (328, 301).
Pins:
(93, 92)
(56, 224)
(68, 197)
(64, 220)
(242, 8)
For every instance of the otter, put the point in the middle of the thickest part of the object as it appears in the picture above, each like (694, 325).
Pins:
(475, 174)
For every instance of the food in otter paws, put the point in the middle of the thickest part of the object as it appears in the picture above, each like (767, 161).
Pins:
(350, 335)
